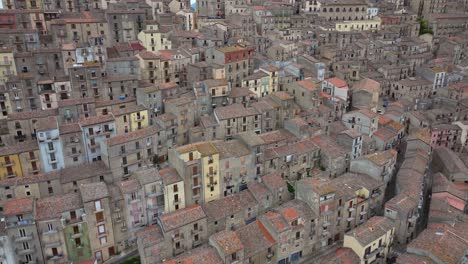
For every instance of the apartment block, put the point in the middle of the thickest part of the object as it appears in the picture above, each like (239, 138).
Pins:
(96, 203)
(50, 147)
(371, 241)
(198, 165)
(21, 228)
(95, 130)
(126, 153)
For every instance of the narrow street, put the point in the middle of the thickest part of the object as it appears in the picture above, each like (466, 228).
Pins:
(390, 191)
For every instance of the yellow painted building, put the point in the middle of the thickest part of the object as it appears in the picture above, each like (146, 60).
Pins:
(358, 25)
(5, 106)
(10, 166)
(130, 118)
(208, 157)
(371, 241)
(19, 159)
(33, 4)
(7, 64)
(150, 66)
(272, 72)
(174, 193)
(153, 40)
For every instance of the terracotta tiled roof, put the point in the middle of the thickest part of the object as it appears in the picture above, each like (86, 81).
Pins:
(129, 186)
(83, 171)
(20, 147)
(47, 124)
(134, 135)
(18, 206)
(69, 128)
(52, 207)
(27, 115)
(170, 176)
(181, 217)
(371, 230)
(381, 158)
(229, 205)
(446, 243)
(274, 181)
(228, 242)
(93, 191)
(94, 120)
(309, 84)
(204, 254)
(76, 101)
(337, 82)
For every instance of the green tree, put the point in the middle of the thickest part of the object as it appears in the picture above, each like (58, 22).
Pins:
(424, 27)
(290, 188)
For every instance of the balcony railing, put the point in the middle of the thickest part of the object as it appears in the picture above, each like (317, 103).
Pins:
(27, 237)
(374, 252)
(9, 163)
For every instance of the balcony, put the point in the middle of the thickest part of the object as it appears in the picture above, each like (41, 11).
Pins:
(374, 252)
(153, 194)
(21, 223)
(176, 201)
(152, 206)
(93, 146)
(177, 237)
(9, 163)
(74, 154)
(19, 239)
(49, 138)
(54, 244)
(33, 170)
(9, 175)
(49, 232)
(212, 184)
(134, 200)
(20, 137)
(413, 219)
(51, 150)
(5, 62)
(55, 257)
(140, 118)
(21, 251)
(196, 231)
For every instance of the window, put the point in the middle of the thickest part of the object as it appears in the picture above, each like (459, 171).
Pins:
(99, 217)
(97, 205)
(176, 188)
(101, 229)
(103, 241)
(50, 227)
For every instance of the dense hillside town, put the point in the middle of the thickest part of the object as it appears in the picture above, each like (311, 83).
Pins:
(233, 131)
